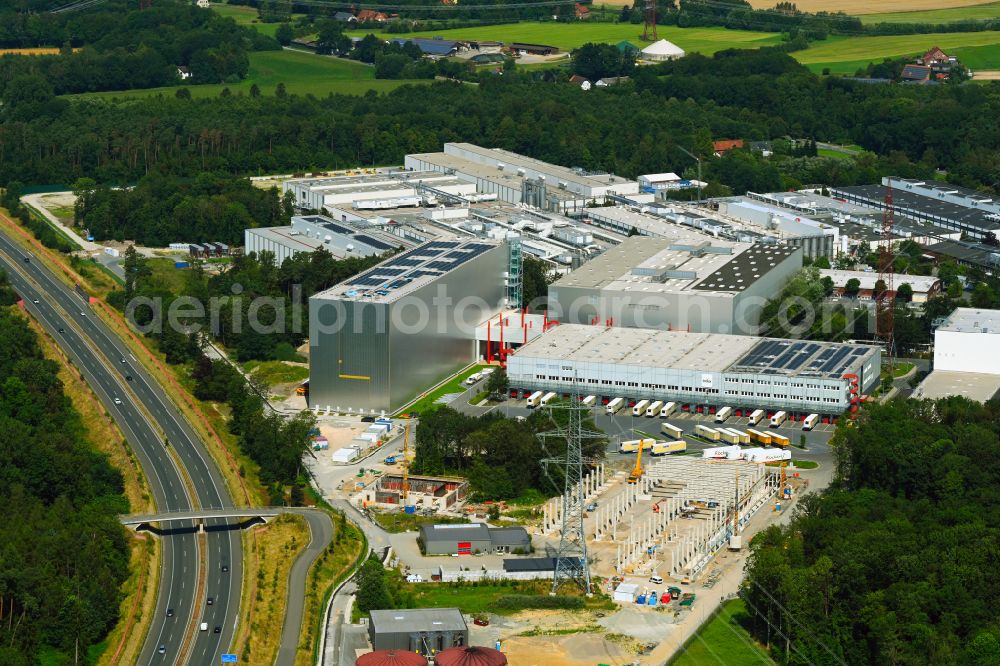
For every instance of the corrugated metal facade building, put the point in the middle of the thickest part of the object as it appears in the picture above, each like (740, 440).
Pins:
(385, 335)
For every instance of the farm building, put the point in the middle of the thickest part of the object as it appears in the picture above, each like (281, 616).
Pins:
(924, 287)
(472, 538)
(533, 49)
(433, 48)
(699, 371)
(423, 630)
(702, 285)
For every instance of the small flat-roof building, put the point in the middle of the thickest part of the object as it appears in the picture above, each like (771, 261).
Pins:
(423, 630)
(695, 369)
(924, 287)
(471, 539)
(705, 286)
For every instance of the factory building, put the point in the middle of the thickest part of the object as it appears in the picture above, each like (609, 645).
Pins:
(793, 229)
(966, 356)
(424, 630)
(946, 207)
(518, 179)
(381, 337)
(703, 287)
(308, 233)
(924, 287)
(390, 189)
(699, 371)
(472, 539)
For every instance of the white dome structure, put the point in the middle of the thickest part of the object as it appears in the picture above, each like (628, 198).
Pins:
(662, 50)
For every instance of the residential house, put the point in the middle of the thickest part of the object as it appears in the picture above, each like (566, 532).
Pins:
(202, 3)
(582, 12)
(345, 17)
(936, 57)
(723, 146)
(610, 81)
(763, 148)
(581, 81)
(370, 15)
(916, 73)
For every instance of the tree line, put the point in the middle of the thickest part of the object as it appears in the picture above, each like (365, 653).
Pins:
(163, 209)
(502, 458)
(893, 563)
(64, 554)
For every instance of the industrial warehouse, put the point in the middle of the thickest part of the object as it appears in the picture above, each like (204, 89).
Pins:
(699, 371)
(383, 336)
(706, 287)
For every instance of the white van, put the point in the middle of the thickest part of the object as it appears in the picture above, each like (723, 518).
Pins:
(656, 579)
(204, 626)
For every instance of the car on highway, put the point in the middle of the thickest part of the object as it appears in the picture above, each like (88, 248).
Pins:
(62, 330)
(170, 612)
(210, 600)
(35, 301)
(204, 626)
(163, 649)
(225, 568)
(217, 630)
(128, 378)
(123, 359)
(82, 313)
(118, 401)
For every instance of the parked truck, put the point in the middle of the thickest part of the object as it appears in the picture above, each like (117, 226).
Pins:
(533, 399)
(615, 405)
(723, 414)
(654, 408)
(666, 448)
(640, 408)
(632, 445)
(778, 419)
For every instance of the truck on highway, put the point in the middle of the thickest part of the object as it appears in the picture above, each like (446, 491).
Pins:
(640, 408)
(632, 445)
(723, 414)
(778, 419)
(615, 405)
(533, 399)
(756, 416)
(654, 408)
(668, 409)
(666, 448)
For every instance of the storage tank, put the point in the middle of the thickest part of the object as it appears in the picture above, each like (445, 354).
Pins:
(391, 658)
(470, 656)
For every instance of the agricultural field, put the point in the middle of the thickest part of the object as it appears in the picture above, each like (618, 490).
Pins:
(246, 16)
(724, 641)
(844, 55)
(949, 15)
(860, 7)
(301, 72)
(569, 36)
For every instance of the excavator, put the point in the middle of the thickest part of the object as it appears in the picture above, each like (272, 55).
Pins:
(637, 471)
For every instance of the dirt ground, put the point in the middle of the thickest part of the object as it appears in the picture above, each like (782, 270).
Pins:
(569, 650)
(987, 75)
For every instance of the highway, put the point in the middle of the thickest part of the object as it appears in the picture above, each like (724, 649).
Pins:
(105, 362)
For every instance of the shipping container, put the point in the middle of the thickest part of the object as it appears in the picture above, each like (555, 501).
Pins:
(665, 448)
(534, 398)
(654, 408)
(810, 421)
(705, 432)
(723, 414)
(778, 419)
(640, 408)
(671, 431)
(668, 409)
(615, 405)
(756, 416)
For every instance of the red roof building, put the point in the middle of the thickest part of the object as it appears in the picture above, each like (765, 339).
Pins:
(581, 11)
(470, 656)
(723, 146)
(934, 57)
(390, 658)
(372, 15)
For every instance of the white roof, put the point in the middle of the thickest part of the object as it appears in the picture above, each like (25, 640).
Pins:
(973, 385)
(627, 588)
(344, 455)
(660, 177)
(921, 284)
(972, 320)
(663, 47)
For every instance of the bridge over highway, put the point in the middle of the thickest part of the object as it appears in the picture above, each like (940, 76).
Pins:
(261, 514)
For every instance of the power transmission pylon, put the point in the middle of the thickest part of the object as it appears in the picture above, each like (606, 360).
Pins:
(572, 563)
(649, 27)
(885, 301)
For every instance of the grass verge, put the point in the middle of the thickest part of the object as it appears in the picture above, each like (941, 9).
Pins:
(280, 542)
(338, 562)
(273, 373)
(428, 400)
(722, 640)
(124, 642)
(406, 522)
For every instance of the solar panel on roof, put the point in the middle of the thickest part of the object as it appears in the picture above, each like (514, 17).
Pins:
(373, 242)
(336, 228)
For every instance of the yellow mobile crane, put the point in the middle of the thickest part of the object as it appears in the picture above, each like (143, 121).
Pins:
(637, 471)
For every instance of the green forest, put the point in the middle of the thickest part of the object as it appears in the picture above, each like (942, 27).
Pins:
(895, 562)
(63, 553)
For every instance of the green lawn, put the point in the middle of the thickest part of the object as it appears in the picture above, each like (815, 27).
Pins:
(844, 55)
(722, 640)
(407, 522)
(572, 35)
(975, 12)
(454, 385)
(301, 72)
(247, 16)
(273, 373)
(826, 152)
